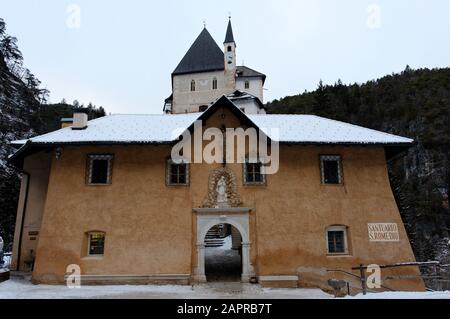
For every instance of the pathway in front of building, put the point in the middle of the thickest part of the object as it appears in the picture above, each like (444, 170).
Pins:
(233, 290)
(23, 289)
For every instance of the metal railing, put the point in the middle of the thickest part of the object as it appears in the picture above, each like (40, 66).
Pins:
(434, 274)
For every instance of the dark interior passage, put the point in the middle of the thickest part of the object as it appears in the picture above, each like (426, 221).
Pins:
(223, 260)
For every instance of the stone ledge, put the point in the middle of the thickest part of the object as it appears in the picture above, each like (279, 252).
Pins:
(279, 281)
(225, 211)
(177, 279)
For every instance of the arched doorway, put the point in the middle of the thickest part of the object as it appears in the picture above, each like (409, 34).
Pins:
(207, 218)
(223, 253)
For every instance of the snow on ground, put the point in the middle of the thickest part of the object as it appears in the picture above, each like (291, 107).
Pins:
(227, 243)
(23, 289)
(404, 295)
(223, 263)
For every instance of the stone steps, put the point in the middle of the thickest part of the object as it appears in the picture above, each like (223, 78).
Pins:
(214, 238)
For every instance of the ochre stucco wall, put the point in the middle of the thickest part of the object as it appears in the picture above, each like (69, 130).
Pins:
(29, 215)
(150, 227)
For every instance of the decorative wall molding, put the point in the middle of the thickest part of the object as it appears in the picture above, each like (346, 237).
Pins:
(233, 197)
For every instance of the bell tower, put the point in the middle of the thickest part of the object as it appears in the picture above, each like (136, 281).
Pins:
(230, 58)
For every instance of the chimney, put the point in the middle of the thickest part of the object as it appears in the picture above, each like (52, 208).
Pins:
(80, 121)
(66, 122)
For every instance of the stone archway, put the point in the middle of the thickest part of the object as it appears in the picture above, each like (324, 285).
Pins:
(236, 217)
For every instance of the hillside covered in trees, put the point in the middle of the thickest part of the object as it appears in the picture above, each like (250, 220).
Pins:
(24, 113)
(416, 104)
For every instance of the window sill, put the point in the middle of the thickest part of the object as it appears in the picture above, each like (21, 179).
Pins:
(255, 184)
(98, 185)
(344, 255)
(99, 257)
(332, 185)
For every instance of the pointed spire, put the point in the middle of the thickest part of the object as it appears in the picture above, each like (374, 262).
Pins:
(229, 38)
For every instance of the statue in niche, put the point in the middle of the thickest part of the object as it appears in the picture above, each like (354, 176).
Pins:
(222, 198)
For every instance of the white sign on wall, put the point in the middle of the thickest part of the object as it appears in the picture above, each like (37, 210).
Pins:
(383, 232)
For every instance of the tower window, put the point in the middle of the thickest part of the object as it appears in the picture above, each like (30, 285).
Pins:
(247, 84)
(229, 49)
(214, 84)
(192, 86)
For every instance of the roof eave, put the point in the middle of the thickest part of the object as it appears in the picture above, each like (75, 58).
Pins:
(174, 73)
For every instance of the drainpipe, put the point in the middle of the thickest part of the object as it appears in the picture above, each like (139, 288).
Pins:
(23, 219)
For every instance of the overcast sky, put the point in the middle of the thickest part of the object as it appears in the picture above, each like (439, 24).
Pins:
(120, 54)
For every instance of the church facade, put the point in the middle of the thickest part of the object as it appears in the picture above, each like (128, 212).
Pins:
(107, 196)
(206, 73)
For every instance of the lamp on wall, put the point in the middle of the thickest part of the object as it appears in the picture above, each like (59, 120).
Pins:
(58, 152)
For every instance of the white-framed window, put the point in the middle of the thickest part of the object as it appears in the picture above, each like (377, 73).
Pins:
(331, 169)
(99, 169)
(177, 174)
(337, 240)
(193, 86)
(214, 84)
(96, 243)
(254, 173)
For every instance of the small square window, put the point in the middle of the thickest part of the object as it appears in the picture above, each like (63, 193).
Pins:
(253, 174)
(331, 170)
(99, 169)
(337, 240)
(96, 244)
(177, 173)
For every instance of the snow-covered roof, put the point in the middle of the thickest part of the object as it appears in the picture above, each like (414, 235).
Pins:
(315, 129)
(127, 128)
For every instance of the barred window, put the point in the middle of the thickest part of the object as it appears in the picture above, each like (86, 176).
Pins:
(253, 173)
(177, 173)
(99, 169)
(331, 169)
(96, 243)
